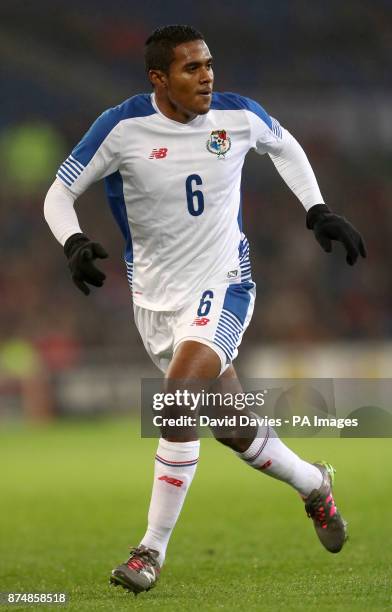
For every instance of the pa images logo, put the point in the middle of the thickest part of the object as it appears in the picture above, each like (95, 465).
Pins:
(219, 143)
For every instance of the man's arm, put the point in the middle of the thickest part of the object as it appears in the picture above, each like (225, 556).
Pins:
(294, 167)
(80, 251)
(59, 212)
(290, 160)
(96, 156)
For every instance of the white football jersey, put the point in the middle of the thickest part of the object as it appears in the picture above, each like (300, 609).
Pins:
(175, 191)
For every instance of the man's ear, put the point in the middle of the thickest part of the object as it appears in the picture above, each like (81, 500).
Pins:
(157, 78)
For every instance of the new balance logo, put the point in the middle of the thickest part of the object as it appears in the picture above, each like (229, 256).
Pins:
(201, 321)
(173, 481)
(232, 274)
(158, 153)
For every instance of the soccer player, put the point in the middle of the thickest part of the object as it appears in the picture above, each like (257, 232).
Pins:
(172, 163)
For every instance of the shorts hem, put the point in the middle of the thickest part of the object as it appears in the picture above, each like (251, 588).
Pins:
(215, 347)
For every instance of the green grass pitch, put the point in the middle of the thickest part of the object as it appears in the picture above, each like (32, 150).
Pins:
(74, 496)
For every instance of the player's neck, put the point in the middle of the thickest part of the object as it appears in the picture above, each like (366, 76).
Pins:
(171, 111)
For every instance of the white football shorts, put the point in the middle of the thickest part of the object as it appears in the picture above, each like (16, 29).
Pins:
(217, 316)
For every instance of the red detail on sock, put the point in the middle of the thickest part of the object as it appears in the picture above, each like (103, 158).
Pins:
(332, 511)
(184, 463)
(173, 481)
(266, 465)
(329, 498)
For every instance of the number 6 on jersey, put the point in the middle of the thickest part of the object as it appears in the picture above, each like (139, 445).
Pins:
(197, 195)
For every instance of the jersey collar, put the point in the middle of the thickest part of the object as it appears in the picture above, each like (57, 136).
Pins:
(198, 120)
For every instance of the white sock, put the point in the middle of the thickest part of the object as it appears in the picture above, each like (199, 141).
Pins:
(175, 466)
(268, 454)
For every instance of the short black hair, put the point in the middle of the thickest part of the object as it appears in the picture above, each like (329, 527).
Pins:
(159, 46)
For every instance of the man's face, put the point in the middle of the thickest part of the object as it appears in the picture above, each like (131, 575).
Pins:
(190, 78)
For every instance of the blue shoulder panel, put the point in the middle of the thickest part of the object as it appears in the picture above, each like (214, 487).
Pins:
(137, 106)
(232, 101)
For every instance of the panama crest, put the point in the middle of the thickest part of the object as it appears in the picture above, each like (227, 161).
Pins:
(219, 143)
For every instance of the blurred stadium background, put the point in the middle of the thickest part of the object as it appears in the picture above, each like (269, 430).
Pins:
(324, 70)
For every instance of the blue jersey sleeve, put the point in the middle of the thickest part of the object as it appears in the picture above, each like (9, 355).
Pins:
(98, 154)
(95, 156)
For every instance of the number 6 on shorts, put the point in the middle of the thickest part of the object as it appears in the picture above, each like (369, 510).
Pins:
(205, 303)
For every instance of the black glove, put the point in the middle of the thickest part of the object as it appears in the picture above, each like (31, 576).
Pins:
(327, 226)
(81, 253)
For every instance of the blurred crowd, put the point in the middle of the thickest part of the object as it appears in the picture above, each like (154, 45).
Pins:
(323, 49)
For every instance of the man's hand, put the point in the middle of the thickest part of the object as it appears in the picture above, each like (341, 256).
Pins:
(327, 226)
(81, 253)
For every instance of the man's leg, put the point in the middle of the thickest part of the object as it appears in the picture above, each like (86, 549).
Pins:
(264, 451)
(178, 452)
(175, 466)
